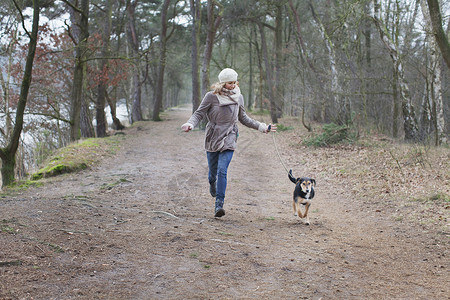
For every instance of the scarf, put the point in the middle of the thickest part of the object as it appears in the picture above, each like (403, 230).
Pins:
(227, 97)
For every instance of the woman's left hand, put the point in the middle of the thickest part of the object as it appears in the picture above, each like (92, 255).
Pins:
(271, 128)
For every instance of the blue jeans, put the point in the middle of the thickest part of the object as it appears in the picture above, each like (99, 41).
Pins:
(218, 163)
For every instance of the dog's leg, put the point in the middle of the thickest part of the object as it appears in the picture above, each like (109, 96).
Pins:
(299, 211)
(294, 206)
(306, 213)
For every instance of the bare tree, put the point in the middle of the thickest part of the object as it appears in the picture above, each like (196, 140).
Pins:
(162, 61)
(269, 73)
(438, 30)
(136, 110)
(103, 64)
(214, 21)
(8, 153)
(434, 83)
(409, 117)
(80, 120)
(195, 6)
(340, 102)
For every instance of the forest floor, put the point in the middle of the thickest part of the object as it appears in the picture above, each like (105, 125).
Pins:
(140, 224)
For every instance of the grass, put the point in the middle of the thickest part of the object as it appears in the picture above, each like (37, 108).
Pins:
(110, 186)
(78, 156)
(332, 134)
(6, 227)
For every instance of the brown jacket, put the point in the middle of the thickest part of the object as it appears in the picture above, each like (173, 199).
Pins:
(222, 130)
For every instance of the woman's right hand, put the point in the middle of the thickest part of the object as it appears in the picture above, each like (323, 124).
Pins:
(186, 127)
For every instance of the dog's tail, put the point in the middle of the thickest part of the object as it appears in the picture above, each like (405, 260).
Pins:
(291, 177)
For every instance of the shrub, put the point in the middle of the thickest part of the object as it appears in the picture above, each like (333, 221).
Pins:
(332, 134)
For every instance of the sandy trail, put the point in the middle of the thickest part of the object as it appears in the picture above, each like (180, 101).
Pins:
(151, 234)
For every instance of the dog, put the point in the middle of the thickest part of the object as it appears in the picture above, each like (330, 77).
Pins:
(304, 189)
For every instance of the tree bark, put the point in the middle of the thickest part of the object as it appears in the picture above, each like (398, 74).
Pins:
(433, 76)
(213, 24)
(279, 59)
(103, 66)
(162, 62)
(136, 110)
(396, 112)
(81, 34)
(6, 86)
(117, 125)
(340, 102)
(409, 117)
(8, 154)
(438, 30)
(195, 7)
(269, 74)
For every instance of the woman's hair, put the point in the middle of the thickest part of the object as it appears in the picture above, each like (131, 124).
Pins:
(218, 86)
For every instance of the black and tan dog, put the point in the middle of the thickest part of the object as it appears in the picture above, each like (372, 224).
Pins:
(304, 189)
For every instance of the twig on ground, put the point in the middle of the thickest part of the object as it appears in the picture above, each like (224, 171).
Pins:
(163, 212)
(398, 164)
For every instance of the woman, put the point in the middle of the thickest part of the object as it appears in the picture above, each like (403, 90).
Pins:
(223, 107)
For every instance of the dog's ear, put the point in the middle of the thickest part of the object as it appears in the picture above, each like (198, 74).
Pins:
(313, 181)
(291, 177)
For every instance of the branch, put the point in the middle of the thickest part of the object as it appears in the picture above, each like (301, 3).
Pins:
(438, 31)
(48, 115)
(22, 18)
(69, 33)
(165, 213)
(72, 6)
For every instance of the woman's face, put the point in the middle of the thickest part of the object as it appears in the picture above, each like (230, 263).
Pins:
(230, 85)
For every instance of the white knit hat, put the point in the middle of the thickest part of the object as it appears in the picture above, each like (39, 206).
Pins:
(227, 75)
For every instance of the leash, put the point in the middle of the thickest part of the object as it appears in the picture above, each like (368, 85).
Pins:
(276, 148)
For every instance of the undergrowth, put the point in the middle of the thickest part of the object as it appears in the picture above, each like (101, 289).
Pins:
(332, 134)
(77, 156)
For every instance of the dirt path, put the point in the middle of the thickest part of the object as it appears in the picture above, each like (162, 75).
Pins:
(140, 226)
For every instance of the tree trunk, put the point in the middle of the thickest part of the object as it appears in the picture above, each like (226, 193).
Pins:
(433, 76)
(278, 60)
(395, 103)
(136, 110)
(213, 25)
(162, 62)
(438, 30)
(409, 117)
(5, 84)
(117, 125)
(269, 74)
(250, 73)
(8, 154)
(81, 35)
(86, 126)
(303, 50)
(195, 6)
(103, 66)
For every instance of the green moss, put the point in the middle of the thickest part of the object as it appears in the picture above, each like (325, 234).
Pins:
(7, 229)
(78, 156)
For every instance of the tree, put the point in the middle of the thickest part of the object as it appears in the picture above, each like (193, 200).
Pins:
(133, 41)
(102, 86)
(162, 61)
(80, 120)
(434, 84)
(196, 8)
(340, 102)
(438, 31)
(409, 117)
(8, 153)
(214, 21)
